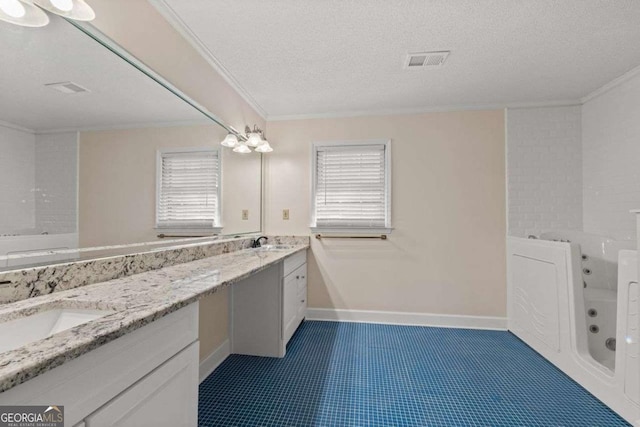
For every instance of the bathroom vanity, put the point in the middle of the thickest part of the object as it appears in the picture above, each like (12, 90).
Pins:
(267, 308)
(133, 380)
(137, 362)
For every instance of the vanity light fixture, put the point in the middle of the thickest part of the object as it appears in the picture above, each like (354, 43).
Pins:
(264, 148)
(78, 10)
(13, 8)
(242, 149)
(23, 13)
(252, 138)
(230, 141)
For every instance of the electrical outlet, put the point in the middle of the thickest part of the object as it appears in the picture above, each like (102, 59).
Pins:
(285, 214)
(245, 214)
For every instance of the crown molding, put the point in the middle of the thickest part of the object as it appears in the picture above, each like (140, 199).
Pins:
(14, 126)
(612, 84)
(131, 126)
(183, 29)
(409, 111)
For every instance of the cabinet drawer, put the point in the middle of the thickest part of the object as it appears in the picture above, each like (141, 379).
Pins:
(167, 396)
(294, 261)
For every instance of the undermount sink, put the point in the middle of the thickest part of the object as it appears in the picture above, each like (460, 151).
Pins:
(18, 332)
(268, 248)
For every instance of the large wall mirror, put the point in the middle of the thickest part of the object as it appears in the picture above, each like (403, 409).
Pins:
(96, 153)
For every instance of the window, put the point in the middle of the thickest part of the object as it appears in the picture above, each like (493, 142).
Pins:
(352, 187)
(188, 190)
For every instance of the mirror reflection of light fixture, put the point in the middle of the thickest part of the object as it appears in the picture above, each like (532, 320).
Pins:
(78, 10)
(264, 148)
(22, 13)
(230, 141)
(63, 5)
(242, 143)
(242, 149)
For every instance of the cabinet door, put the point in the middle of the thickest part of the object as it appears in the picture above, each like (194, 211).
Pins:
(301, 273)
(289, 306)
(168, 396)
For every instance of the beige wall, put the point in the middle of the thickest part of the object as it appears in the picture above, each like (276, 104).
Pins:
(139, 28)
(447, 252)
(117, 191)
(214, 322)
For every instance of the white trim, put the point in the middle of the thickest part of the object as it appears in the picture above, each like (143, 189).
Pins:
(612, 84)
(146, 125)
(423, 110)
(183, 29)
(14, 126)
(208, 365)
(388, 199)
(411, 319)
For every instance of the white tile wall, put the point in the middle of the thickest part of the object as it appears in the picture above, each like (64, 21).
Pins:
(38, 182)
(17, 208)
(56, 179)
(544, 170)
(611, 154)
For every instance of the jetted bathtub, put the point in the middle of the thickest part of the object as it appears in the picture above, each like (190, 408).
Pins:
(572, 297)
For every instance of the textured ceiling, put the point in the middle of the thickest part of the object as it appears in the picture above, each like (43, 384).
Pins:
(119, 96)
(309, 57)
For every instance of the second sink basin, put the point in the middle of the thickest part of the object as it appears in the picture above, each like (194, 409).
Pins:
(18, 332)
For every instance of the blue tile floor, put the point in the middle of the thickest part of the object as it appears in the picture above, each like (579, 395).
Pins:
(355, 374)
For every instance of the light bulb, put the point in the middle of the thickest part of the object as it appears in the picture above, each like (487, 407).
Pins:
(77, 10)
(22, 13)
(242, 149)
(63, 5)
(230, 141)
(254, 139)
(264, 148)
(13, 8)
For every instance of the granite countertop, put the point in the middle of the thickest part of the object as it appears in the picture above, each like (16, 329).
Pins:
(135, 301)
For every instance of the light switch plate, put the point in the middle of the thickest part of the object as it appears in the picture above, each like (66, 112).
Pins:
(285, 214)
(245, 214)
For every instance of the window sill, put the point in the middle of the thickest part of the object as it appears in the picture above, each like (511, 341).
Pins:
(188, 232)
(352, 231)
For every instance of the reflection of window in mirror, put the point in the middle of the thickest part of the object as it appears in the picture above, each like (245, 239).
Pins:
(188, 191)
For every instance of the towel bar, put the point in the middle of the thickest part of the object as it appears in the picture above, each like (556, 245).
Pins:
(381, 237)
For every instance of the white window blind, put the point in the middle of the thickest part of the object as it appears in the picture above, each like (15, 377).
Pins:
(188, 193)
(351, 188)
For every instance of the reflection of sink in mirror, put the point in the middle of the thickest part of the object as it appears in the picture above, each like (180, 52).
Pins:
(268, 248)
(42, 324)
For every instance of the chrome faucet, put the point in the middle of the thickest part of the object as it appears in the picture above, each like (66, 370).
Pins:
(256, 243)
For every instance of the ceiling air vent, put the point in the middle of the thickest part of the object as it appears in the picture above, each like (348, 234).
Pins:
(426, 59)
(67, 87)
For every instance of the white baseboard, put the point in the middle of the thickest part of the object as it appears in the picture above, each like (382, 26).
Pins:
(411, 319)
(208, 365)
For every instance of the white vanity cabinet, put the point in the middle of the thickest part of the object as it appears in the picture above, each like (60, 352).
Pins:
(294, 295)
(268, 307)
(165, 397)
(146, 377)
